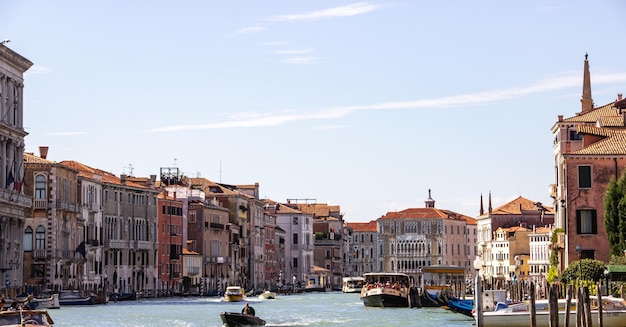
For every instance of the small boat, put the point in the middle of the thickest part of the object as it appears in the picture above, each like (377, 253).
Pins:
(386, 290)
(74, 298)
(518, 315)
(465, 307)
(352, 284)
(232, 319)
(234, 294)
(25, 318)
(47, 301)
(267, 295)
(122, 296)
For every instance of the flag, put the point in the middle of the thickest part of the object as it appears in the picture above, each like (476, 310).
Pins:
(10, 179)
(81, 249)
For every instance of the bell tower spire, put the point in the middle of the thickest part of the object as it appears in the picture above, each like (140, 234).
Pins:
(586, 100)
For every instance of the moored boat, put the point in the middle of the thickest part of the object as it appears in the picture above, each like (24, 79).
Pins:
(74, 298)
(518, 315)
(47, 302)
(352, 284)
(234, 294)
(386, 290)
(232, 319)
(25, 318)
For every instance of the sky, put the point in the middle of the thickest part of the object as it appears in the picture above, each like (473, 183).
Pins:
(366, 105)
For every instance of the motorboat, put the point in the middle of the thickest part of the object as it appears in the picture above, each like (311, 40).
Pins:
(232, 319)
(75, 298)
(352, 284)
(518, 314)
(386, 290)
(25, 318)
(267, 295)
(234, 294)
(50, 301)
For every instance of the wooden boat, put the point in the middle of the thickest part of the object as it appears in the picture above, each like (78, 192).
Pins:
(386, 290)
(267, 295)
(74, 298)
(465, 307)
(352, 284)
(47, 302)
(122, 296)
(613, 313)
(234, 294)
(232, 319)
(25, 318)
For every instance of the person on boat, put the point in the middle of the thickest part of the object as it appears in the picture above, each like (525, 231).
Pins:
(248, 310)
(2, 305)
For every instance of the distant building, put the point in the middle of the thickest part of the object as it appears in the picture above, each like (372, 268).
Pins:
(414, 238)
(589, 151)
(363, 247)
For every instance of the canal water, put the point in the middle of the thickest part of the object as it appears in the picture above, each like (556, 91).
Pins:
(306, 309)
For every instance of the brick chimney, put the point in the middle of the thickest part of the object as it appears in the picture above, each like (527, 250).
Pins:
(43, 152)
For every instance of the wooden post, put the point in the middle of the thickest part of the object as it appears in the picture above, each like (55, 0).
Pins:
(478, 300)
(553, 300)
(568, 303)
(588, 321)
(533, 309)
(579, 307)
(600, 322)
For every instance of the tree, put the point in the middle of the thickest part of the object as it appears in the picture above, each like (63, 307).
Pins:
(615, 214)
(584, 269)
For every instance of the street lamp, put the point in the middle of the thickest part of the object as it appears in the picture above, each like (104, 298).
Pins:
(478, 296)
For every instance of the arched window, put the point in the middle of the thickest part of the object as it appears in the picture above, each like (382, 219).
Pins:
(40, 187)
(28, 239)
(40, 238)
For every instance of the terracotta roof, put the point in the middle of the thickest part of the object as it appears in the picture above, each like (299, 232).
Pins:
(98, 174)
(363, 227)
(205, 183)
(608, 110)
(421, 213)
(613, 143)
(516, 206)
(270, 206)
(317, 209)
(540, 230)
(189, 252)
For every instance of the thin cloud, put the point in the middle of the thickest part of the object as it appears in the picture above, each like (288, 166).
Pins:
(480, 98)
(273, 43)
(344, 11)
(300, 60)
(291, 52)
(250, 29)
(66, 133)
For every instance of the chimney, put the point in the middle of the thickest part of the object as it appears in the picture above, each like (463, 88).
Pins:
(123, 178)
(43, 152)
(560, 118)
(619, 97)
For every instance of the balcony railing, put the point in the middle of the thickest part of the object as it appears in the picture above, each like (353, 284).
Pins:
(41, 204)
(116, 244)
(193, 271)
(39, 254)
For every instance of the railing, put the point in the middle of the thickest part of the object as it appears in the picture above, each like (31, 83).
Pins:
(216, 226)
(192, 271)
(41, 204)
(116, 244)
(39, 254)
(143, 245)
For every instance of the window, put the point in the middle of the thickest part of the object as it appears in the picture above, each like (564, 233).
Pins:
(584, 176)
(192, 217)
(586, 222)
(574, 136)
(295, 220)
(40, 238)
(28, 239)
(295, 238)
(295, 262)
(40, 187)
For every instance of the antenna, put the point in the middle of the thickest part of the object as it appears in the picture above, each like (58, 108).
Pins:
(220, 170)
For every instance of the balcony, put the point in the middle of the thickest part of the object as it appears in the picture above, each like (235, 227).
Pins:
(39, 254)
(143, 245)
(116, 244)
(40, 204)
(193, 271)
(554, 191)
(216, 226)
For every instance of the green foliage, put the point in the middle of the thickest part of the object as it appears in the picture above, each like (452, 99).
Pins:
(552, 275)
(555, 235)
(554, 257)
(319, 236)
(617, 260)
(615, 214)
(585, 270)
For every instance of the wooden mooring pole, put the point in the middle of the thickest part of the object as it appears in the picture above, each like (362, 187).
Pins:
(533, 309)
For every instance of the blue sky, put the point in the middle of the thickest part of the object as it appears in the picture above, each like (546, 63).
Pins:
(366, 105)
